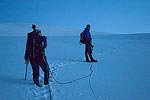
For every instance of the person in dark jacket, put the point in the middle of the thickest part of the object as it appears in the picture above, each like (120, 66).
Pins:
(35, 53)
(88, 44)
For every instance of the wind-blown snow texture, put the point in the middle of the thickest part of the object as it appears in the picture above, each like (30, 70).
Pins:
(122, 71)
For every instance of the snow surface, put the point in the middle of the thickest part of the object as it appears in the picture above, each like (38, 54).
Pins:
(121, 73)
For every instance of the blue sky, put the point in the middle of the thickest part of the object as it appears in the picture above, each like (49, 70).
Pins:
(114, 16)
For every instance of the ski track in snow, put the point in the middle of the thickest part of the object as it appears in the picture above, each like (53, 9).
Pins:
(43, 93)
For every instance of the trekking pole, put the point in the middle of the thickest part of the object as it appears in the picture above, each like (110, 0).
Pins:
(26, 70)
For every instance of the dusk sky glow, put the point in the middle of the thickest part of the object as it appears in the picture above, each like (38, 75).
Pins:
(114, 16)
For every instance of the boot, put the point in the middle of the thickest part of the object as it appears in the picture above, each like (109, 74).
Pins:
(88, 60)
(38, 84)
(93, 60)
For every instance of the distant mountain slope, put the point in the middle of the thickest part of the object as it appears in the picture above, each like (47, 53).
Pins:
(21, 29)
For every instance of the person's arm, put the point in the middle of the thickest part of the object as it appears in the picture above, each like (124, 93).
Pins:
(26, 56)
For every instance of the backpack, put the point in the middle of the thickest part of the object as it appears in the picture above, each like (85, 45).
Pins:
(82, 38)
(43, 42)
(39, 44)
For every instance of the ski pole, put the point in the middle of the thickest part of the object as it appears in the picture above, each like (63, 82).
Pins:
(26, 70)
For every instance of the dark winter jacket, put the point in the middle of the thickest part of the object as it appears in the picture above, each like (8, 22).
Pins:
(87, 35)
(35, 45)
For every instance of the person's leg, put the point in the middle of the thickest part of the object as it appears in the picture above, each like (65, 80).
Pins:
(35, 69)
(45, 67)
(86, 53)
(90, 52)
(90, 48)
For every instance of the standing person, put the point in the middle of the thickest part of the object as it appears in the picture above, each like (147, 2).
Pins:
(88, 44)
(35, 53)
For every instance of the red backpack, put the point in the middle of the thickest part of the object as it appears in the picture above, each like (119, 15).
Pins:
(82, 38)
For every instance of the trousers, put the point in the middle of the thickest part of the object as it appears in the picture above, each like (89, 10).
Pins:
(36, 63)
(88, 51)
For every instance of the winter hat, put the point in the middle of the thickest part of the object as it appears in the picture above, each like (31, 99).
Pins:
(33, 26)
(88, 25)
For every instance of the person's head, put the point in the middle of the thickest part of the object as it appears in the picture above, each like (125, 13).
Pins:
(33, 26)
(88, 26)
